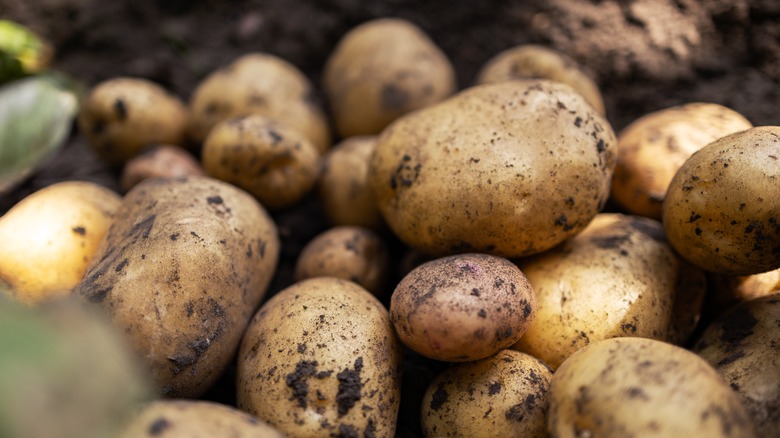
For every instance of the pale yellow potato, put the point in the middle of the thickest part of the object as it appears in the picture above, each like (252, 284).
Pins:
(159, 162)
(50, 237)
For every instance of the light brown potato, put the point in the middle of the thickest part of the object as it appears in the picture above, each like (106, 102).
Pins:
(381, 70)
(180, 273)
(500, 396)
(722, 209)
(655, 146)
(159, 162)
(122, 116)
(530, 61)
(50, 237)
(642, 387)
(263, 84)
(320, 359)
(509, 169)
(462, 308)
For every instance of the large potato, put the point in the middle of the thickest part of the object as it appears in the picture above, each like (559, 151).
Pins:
(180, 273)
(509, 169)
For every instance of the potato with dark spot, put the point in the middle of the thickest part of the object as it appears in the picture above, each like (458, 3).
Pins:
(722, 209)
(501, 396)
(180, 273)
(320, 359)
(462, 308)
(161, 161)
(623, 387)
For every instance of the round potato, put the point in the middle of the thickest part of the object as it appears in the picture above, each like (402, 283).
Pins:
(722, 209)
(381, 70)
(162, 161)
(462, 308)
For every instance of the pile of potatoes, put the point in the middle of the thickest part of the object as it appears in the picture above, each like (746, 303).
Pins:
(470, 233)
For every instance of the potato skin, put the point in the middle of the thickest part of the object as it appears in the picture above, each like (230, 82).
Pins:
(722, 210)
(160, 161)
(320, 359)
(181, 272)
(642, 387)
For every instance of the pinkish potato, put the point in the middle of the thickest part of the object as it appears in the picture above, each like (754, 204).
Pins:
(159, 162)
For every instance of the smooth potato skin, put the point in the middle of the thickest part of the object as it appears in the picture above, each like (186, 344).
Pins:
(162, 161)
(181, 273)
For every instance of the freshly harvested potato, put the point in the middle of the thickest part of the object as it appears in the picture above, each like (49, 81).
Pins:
(500, 396)
(527, 164)
(744, 347)
(530, 61)
(180, 273)
(382, 70)
(122, 116)
(320, 359)
(722, 209)
(729, 290)
(264, 84)
(50, 237)
(625, 387)
(655, 146)
(462, 308)
(351, 253)
(268, 159)
(159, 162)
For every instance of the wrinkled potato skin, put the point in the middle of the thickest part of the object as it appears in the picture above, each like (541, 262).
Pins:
(531, 61)
(320, 359)
(381, 70)
(48, 239)
(744, 347)
(655, 146)
(527, 165)
(122, 116)
(501, 396)
(462, 308)
(722, 209)
(181, 272)
(163, 161)
(625, 387)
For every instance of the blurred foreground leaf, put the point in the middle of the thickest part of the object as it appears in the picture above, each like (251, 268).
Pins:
(21, 51)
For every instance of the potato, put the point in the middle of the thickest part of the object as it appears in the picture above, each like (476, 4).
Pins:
(264, 84)
(268, 159)
(502, 395)
(743, 346)
(158, 162)
(722, 209)
(320, 359)
(462, 308)
(690, 293)
(381, 70)
(625, 387)
(655, 146)
(180, 273)
(530, 61)
(50, 237)
(120, 117)
(728, 290)
(527, 164)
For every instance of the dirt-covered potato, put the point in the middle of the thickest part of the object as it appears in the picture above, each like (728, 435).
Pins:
(655, 146)
(501, 396)
(510, 169)
(180, 273)
(744, 347)
(530, 61)
(463, 307)
(270, 160)
(351, 253)
(49, 238)
(122, 116)
(722, 209)
(320, 359)
(264, 84)
(346, 196)
(623, 387)
(381, 70)
(159, 162)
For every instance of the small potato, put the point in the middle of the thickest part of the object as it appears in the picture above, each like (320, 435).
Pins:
(50, 237)
(624, 387)
(462, 308)
(729, 290)
(122, 116)
(722, 209)
(501, 396)
(159, 162)
(268, 159)
(351, 253)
